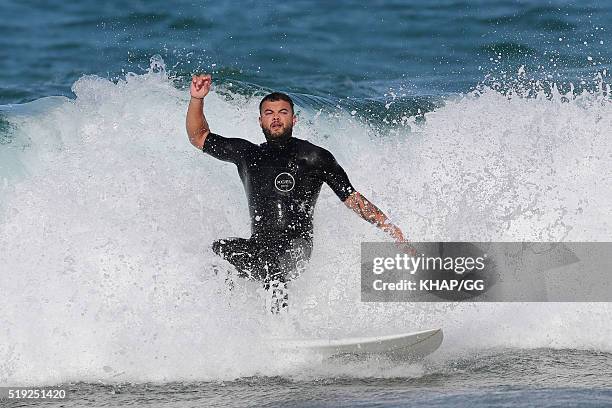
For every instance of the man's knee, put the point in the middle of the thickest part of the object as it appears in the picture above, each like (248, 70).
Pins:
(221, 246)
(217, 246)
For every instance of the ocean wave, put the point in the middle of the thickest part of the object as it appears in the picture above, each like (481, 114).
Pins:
(108, 212)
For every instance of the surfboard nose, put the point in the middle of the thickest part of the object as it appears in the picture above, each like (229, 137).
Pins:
(405, 346)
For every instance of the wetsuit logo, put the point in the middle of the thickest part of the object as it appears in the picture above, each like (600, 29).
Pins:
(284, 182)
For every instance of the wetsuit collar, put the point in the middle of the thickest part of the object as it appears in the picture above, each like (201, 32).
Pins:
(279, 143)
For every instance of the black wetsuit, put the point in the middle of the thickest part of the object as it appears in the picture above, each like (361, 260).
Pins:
(282, 180)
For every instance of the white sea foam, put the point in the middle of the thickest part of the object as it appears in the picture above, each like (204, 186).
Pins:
(108, 214)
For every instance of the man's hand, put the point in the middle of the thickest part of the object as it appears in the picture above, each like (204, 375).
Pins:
(402, 243)
(395, 232)
(200, 85)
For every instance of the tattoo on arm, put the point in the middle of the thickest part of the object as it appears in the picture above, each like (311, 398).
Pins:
(366, 210)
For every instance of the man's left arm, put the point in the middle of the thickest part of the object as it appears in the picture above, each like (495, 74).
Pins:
(372, 214)
(336, 178)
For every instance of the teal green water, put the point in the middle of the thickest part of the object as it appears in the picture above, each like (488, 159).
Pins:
(343, 49)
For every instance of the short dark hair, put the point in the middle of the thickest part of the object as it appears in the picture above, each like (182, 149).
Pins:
(277, 96)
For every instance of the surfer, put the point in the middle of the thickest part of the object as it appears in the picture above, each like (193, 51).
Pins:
(282, 178)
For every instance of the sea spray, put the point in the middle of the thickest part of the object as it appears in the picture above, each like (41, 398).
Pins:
(105, 234)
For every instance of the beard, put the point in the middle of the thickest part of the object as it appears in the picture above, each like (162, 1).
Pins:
(284, 135)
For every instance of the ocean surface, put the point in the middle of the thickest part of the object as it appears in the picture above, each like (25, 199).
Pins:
(462, 120)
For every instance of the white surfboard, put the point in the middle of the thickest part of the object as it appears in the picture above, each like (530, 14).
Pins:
(407, 346)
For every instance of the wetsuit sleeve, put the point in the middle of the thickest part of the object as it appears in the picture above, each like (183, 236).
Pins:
(336, 177)
(224, 148)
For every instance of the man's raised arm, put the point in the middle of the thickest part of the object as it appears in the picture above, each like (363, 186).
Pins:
(197, 127)
(372, 214)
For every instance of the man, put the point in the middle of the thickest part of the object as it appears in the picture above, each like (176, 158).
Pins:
(282, 179)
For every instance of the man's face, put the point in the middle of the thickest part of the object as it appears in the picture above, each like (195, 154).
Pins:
(277, 119)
